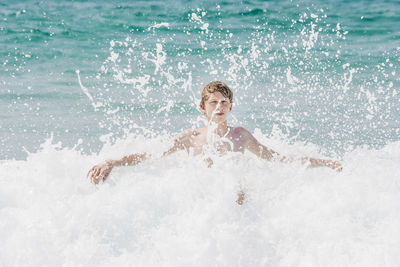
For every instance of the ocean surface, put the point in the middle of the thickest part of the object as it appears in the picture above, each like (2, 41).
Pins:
(85, 81)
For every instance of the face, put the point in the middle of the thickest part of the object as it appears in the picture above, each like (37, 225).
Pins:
(217, 107)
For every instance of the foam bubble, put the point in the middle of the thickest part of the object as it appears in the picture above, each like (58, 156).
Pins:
(175, 211)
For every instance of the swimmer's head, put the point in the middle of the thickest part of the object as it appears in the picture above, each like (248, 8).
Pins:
(216, 86)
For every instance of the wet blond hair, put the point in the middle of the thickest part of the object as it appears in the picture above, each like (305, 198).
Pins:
(216, 86)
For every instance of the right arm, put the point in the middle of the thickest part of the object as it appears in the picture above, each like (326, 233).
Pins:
(101, 171)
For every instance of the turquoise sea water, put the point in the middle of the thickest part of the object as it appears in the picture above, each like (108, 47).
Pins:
(321, 72)
(85, 81)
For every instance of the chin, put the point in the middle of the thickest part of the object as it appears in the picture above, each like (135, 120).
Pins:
(219, 120)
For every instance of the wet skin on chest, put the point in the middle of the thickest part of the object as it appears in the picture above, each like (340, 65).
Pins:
(233, 142)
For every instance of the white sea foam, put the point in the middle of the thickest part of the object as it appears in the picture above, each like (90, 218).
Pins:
(177, 212)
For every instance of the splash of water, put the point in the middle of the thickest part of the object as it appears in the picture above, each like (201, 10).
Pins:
(214, 140)
(175, 211)
(95, 105)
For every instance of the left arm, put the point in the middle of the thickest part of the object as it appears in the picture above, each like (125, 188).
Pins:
(266, 153)
(334, 165)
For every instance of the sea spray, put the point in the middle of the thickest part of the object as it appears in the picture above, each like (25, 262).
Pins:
(323, 73)
(314, 79)
(177, 211)
(214, 140)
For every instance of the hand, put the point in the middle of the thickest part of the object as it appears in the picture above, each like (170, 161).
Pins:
(241, 198)
(209, 162)
(100, 172)
(335, 165)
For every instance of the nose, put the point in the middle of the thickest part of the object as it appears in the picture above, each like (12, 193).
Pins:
(218, 106)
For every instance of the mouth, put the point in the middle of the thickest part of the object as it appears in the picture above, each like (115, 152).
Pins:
(219, 113)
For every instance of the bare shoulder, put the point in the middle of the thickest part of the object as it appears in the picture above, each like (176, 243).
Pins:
(187, 135)
(181, 141)
(243, 135)
(241, 132)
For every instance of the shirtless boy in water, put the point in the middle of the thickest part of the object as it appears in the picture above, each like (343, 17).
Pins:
(217, 137)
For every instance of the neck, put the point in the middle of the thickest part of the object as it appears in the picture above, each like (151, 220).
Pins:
(221, 129)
